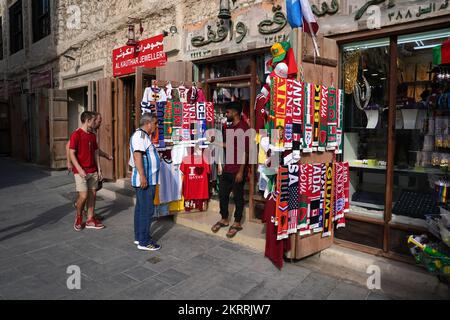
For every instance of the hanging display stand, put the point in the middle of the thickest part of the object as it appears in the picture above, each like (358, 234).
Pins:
(304, 246)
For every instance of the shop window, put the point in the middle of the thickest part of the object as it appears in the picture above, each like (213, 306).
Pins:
(16, 27)
(422, 153)
(230, 68)
(365, 79)
(41, 19)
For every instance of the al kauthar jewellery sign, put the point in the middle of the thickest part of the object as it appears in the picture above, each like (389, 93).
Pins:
(258, 27)
(147, 53)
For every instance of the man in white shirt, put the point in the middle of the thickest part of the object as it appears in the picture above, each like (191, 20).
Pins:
(145, 162)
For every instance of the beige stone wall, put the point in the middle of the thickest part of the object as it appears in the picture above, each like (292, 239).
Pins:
(102, 27)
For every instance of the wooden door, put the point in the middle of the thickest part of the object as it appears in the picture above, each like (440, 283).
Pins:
(5, 133)
(58, 127)
(105, 134)
(143, 80)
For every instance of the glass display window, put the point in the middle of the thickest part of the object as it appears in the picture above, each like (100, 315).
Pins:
(422, 153)
(365, 81)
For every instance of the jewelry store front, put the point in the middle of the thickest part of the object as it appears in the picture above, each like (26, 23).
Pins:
(396, 79)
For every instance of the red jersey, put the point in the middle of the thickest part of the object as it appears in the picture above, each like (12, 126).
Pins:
(85, 144)
(195, 180)
(261, 112)
(233, 166)
(275, 249)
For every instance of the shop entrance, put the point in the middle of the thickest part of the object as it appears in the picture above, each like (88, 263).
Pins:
(128, 94)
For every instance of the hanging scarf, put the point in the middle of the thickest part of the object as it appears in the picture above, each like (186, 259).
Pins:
(317, 104)
(288, 130)
(327, 222)
(340, 125)
(305, 190)
(186, 126)
(316, 196)
(280, 111)
(298, 95)
(294, 196)
(283, 202)
(177, 121)
(323, 120)
(168, 123)
(201, 122)
(332, 119)
(308, 119)
(161, 107)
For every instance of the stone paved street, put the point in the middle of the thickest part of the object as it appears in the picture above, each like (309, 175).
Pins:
(38, 243)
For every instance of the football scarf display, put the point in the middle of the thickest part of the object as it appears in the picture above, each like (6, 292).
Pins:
(323, 133)
(310, 198)
(332, 119)
(307, 117)
(297, 95)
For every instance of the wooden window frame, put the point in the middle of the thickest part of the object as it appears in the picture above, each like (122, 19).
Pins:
(16, 41)
(39, 20)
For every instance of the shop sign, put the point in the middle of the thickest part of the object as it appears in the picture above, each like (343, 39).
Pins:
(257, 27)
(42, 80)
(148, 53)
(358, 15)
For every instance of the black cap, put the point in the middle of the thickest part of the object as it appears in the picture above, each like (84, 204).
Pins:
(234, 106)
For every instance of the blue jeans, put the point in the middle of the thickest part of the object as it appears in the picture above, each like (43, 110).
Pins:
(143, 214)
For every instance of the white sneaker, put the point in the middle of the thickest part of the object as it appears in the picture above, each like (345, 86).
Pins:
(136, 242)
(150, 247)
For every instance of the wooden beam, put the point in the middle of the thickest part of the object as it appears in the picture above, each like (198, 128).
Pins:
(230, 79)
(320, 61)
(252, 125)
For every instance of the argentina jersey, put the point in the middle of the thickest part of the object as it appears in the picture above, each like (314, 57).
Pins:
(140, 141)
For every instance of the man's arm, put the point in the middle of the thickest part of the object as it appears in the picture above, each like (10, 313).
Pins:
(97, 163)
(69, 162)
(103, 154)
(140, 168)
(76, 164)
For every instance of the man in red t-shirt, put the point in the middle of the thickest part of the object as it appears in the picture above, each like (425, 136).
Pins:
(84, 155)
(101, 153)
(235, 170)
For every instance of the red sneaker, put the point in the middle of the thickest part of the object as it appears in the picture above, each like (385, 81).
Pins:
(94, 224)
(78, 225)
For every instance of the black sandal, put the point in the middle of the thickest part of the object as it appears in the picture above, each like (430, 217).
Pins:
(231, 234)
(219, 225)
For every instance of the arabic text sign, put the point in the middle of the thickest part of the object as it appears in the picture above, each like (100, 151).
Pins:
(148, 53)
